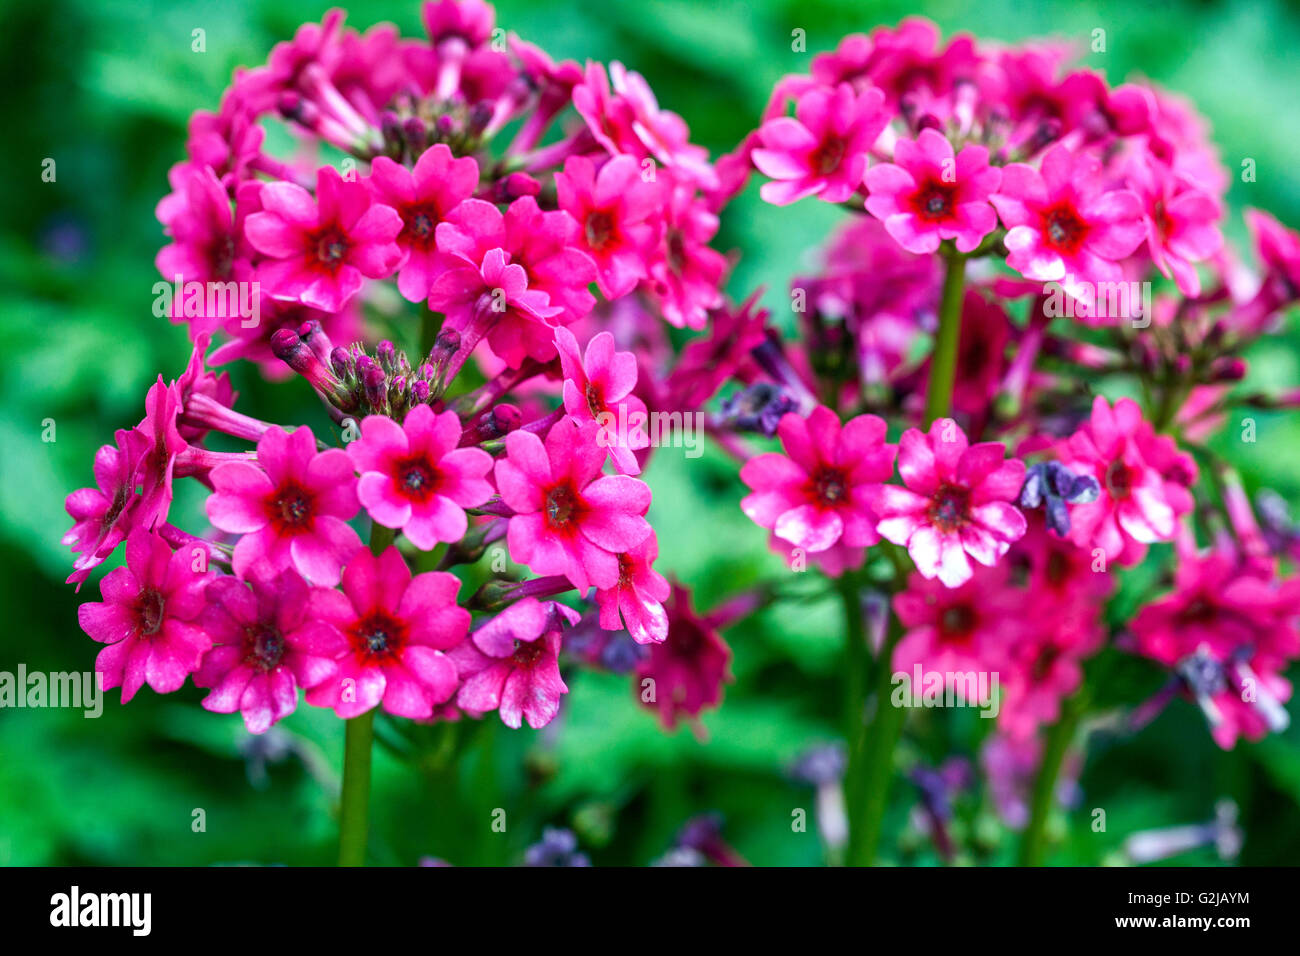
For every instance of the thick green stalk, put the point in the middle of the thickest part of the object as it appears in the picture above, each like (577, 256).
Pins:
(857, 664)
(943, 361)
(1033, 842)
(354, 815)
(874, 759)
(354, 809)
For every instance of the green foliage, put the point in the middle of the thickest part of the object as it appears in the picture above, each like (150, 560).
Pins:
(105, 89)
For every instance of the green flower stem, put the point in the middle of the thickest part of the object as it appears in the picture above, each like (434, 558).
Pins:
(354, 816)
(943, 362)
(359, 732)
(871, 763)
(1033, 843)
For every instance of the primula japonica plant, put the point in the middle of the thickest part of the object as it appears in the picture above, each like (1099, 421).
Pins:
(473, 255)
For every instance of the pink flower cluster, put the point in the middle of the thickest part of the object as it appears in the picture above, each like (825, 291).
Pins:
(499, 243)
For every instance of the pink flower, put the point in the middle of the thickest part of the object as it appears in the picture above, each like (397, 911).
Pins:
(493, 297)
(1063, 224)
(635, 602)
(292, 510)
(956, 505)
(685, 672)
(160, 429)
(569, 519)
(960, 628)
(103, 516)
(1182, 222)
(148, 618)
(598, 388)
(265, 646)
(511, 663)
(423, 197)
(822, 151)
(685, 274)
(627, 119)
(320, 249)
(516, 275)
(617, 212)
(1135, 507)
(1228, 629)
(395, 627)
(415, 479)
(929, 194)
(819, 492)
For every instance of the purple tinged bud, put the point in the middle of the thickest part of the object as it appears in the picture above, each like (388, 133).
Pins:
(340, 361)
(386, 354)
(1229, 368)
(420, 391)
(313, 333)
(289, 347)
(480, 114)
(374, 382)
(416, 134)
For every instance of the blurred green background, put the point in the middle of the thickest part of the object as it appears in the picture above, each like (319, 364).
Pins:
(105, 89)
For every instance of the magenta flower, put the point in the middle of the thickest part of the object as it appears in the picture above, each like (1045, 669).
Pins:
(1064, 226)
(265, 646)
(319, 250)
(511, 663)
(423, 197)
(685, 274)
(569, 519)
(961, 628)
(160, 427)
(929, 194)
(148, 618)
(627, 119)
(684, 673)
(1182, 222)
(617, 211)
(1135, 507)
(1228, 629)
(415, 479)
(292, 507)
(635, 602)
(395, 627)
(598, 388)
(957, 503)
(103, 516)
(819, 492)
(821, 151)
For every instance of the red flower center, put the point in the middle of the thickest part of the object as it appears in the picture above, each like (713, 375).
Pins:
(563, 506)
(377, 637)
(950, 507)
(934, 200)
(1064, 230)
(417, 480)
(625, 570)
(599, 228)
(528, 653)
(331, 249)
(826, 158)
(291, 509)
(595, 399)
(265, 647)
(150, 608)
(418, 226)
(1119, 480)
(829, 486)
(1044, 661)
(957, 623)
